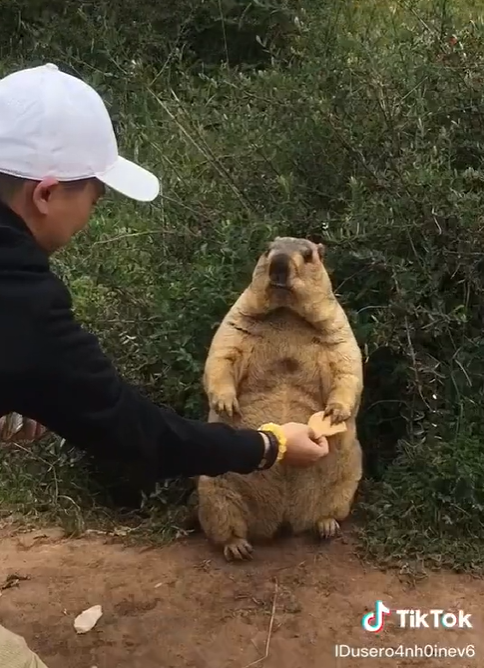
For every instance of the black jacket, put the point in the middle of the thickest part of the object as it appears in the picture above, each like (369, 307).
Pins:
(55, 372)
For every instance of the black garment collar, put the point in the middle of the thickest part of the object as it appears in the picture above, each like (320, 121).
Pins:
(9, 217)
(16, 236)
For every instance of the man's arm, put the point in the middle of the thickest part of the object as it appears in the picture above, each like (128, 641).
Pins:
(73, 389)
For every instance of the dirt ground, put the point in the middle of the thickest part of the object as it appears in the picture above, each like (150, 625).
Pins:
(182, 606)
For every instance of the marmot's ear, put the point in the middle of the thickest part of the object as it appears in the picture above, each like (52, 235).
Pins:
(321, 250)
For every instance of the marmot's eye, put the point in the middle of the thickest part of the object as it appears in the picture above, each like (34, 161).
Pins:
(307, 255)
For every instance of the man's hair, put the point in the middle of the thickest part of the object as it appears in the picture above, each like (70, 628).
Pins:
(10, 185)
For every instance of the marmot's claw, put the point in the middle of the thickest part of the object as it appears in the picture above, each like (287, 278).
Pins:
(224, 403)
(328, 527)
(238, 550)
(337, 412)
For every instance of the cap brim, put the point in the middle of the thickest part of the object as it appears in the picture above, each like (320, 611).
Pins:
(131, 180)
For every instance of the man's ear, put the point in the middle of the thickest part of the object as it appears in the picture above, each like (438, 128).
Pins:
(42, 192)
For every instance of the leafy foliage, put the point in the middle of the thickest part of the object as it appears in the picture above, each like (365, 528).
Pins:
(356, 124)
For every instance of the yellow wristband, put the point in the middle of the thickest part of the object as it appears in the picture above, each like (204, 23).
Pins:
(279, 434)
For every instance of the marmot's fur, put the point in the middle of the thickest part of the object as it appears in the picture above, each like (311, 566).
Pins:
(284, 351)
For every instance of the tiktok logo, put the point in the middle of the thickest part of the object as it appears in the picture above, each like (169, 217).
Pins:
(373, 621)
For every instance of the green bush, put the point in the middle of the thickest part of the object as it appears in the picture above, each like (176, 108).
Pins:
(359, 124)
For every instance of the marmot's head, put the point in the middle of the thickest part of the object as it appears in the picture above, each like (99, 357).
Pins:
(291, 268)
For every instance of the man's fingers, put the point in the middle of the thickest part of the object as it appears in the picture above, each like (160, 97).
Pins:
(30, 430)
(320, 440)
(40, 431)
(5, 429)
(27, 433)
(323, 444)
(312, 434)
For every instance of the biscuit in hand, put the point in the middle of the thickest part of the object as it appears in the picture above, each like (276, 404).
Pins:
(321, 425)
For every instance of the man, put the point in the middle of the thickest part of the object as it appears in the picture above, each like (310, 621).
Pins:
(58, 152)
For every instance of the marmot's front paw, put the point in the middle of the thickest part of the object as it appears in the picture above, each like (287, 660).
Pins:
(224, 402)
(238, 549)
(328, 527)
(337, 412)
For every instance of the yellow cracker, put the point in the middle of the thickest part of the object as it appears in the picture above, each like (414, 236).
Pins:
(322, 426)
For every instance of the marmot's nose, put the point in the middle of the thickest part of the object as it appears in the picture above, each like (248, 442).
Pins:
(279, 270)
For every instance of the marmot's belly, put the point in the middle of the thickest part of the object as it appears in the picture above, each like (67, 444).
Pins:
(278, 400)
(283, 380)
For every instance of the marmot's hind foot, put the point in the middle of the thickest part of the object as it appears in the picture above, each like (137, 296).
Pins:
(238, 549)
(328, 527)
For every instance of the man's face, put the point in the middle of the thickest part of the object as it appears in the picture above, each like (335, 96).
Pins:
(58, 211)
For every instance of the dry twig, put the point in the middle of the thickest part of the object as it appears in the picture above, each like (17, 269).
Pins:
(269, 634)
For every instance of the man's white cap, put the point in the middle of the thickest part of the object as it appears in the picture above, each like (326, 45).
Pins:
(53, 124)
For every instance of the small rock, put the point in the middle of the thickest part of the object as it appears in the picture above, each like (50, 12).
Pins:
(88, 619)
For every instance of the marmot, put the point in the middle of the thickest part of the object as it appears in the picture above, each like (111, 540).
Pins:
(284, 351)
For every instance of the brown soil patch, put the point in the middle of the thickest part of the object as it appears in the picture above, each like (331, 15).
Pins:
(182, 606)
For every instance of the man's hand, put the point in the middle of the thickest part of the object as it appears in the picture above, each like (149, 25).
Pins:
(303, 449)
(28, 430)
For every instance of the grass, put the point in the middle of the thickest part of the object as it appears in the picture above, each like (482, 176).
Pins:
(354, 123)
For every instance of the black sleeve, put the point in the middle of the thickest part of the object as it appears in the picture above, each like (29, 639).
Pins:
(73, 389)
